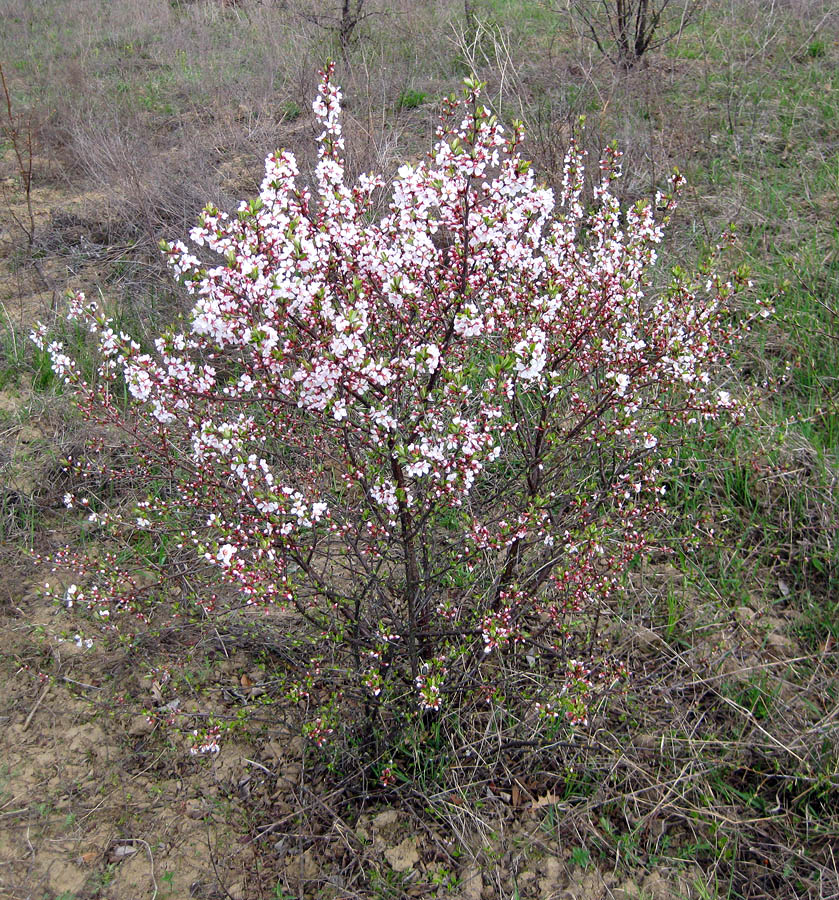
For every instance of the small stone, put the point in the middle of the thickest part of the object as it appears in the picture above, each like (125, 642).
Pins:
(780, 645)
(290, 776)
(403, 856)
(731, 665)
(272, 751)
(590, 887)
(646, 741)
(386, 820)
(304, 864)
(656, 887)
(627, 891)
(552, 875)
(472, 884)
(647, 638)
(139, 726)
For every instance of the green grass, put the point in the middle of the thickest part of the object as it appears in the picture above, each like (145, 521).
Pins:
(411, 99)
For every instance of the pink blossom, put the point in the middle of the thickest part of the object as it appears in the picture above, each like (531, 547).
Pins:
(427, 422)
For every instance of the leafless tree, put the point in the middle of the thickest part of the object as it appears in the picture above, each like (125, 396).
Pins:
(624, 30)
(351, 15)
(342, 18)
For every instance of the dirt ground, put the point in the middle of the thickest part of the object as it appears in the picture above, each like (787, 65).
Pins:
(101, 800)
(101, 796)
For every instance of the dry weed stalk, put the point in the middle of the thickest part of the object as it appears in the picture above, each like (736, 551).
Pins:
(22, 149)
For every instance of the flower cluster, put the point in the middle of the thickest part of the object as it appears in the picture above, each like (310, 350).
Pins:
(206, 742)
(436, 434)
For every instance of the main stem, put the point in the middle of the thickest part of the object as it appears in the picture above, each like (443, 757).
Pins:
(412, 574)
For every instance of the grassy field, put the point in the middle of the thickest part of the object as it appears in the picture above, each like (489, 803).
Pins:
(717, 775)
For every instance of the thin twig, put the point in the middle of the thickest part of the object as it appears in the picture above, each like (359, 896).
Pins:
(38, 702)
(24, 168)
(151, 860)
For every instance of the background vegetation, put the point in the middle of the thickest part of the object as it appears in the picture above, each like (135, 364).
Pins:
(718, 774)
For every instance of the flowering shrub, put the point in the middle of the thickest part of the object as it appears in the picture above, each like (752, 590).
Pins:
(437, 437)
